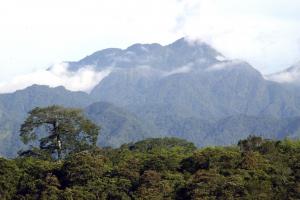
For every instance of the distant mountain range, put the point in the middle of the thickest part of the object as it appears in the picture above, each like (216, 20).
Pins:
(185, 89)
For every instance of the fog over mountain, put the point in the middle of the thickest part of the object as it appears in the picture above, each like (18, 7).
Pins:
(288, 76)
(147, 58)
(84, 79)
(185, 89)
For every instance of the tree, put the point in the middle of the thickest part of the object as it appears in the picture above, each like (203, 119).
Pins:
(252, 143)
(59, 130)
(80, 168)
(38, 179)
(9, 177)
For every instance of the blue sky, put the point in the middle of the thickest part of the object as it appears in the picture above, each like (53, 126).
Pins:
(35, 34)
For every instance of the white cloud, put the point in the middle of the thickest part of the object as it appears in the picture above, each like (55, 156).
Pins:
(292, 75)
(220, 58)
(224, 65)
(85, 79)
(284, 77)
(180, 70)
(264, 33)
(36, 33)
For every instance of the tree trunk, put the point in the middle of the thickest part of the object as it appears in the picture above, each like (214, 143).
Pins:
(58, 147)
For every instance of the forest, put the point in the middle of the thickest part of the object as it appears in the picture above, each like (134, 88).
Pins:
(66, 164)
(166, 168)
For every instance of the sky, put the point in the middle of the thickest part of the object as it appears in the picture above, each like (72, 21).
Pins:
(36, 34)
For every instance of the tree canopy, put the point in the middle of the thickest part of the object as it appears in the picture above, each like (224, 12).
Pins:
(58, 131)
(160, 169)
(166, 168)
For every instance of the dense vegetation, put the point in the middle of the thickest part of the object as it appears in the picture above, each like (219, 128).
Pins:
(166, 168)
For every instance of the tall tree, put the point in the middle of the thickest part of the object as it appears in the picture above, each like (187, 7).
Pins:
(59, 130)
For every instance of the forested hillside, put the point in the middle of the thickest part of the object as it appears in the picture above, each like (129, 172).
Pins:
(185, 90)
(165, 168)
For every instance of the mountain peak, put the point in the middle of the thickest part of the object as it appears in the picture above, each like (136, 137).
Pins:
(143, 48)
(190, 42)
(294, 68)
(182, 41)
(181, 52)
(195, 46)
(291, 75)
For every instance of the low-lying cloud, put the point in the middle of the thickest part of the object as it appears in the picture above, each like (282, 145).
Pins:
(292, 75)
(84, 79)
(263, 33)
(224, 65)
(180, 70)
(285, 77)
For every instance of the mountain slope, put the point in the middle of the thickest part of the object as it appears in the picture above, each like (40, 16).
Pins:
(14, 108)
(186, 89)
(117, 125)
(290, 75)
(191, 81)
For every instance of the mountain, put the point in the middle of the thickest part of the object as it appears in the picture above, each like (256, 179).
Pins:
(118, 126)
(168, 57)
(14, 108)
(189, 84)
(188, 79)
(186, 89)
(288, 76)
(231, 129)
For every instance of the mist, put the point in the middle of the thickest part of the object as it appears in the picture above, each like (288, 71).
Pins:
(84, 79)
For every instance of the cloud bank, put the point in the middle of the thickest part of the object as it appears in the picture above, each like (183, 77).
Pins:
(85, 79)
(284, 77)
(263, 33)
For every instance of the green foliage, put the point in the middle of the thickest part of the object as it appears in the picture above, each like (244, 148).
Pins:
(59, 131)
(158, 143)
(80, 168)
(9, 178)
(38, 179)
(160, 169)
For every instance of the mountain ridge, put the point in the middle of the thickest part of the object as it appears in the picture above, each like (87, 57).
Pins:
(290, 75)
(184, 89)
